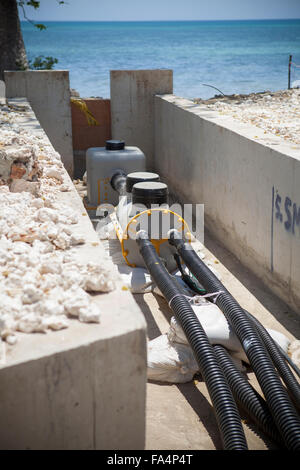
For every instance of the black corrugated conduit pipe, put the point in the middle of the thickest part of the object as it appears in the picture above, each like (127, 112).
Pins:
(289, 360)
(225, 408)
(278, 360)
(247, 397)
(283, 411)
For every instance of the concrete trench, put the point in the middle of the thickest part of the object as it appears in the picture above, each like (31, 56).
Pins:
(180, 416)
(90, 387)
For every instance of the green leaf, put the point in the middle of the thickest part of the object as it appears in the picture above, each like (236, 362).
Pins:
(43, 63)
(33, 3)
(40, 26)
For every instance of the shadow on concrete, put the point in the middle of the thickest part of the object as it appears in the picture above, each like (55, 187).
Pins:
(204, 411)
(260, 434)
(163, 307)
(280, 310)
(153, 330)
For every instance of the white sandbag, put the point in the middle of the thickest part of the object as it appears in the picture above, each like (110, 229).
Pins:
(214, 324)
(219, 331)
(137, 280)
(174, 362)
(170, 362)
(294, 352)
(278, 337)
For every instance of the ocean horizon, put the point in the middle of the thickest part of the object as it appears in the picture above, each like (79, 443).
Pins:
(234, 56)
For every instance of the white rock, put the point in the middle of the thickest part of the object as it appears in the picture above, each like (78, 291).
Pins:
(42, 247)
(7, 325)
(20, 248)
(97, 279)
(56, 322)
(40, 284)
(46, 214)
(11, 339)
(31, 323)
(31, 294)
(38, 203)
(65, 188)
(91, 314)
(76, 302)
(20, 185)
(49, 266)
(62, 241)
(77, 239)
(54, 173)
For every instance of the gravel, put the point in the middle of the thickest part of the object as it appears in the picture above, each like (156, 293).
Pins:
(277, 113)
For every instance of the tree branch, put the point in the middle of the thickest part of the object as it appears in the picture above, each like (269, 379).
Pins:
(35, 4)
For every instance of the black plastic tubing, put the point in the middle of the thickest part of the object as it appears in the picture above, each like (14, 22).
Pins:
(282, 409)
(278, 360)
(226, 410)
(246, 396)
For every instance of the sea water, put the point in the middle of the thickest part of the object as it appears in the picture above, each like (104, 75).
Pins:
(233, 56)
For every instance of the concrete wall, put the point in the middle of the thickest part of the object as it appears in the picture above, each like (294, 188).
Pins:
(132, 104)
(2, 89)
(83, 387)
(48, 92)
(247, 180)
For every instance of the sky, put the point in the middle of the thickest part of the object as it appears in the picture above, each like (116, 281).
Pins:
(155, 10)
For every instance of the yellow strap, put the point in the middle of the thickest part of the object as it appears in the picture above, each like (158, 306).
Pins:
(92, 121)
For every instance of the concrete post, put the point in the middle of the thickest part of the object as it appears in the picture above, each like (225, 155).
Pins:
(48, 92)
(132, 106)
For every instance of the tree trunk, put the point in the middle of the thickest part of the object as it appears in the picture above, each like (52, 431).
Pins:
(12, 49)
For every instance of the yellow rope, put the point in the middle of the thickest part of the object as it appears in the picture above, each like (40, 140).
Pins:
(92, 121)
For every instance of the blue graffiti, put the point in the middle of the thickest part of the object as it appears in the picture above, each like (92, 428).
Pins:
(296, 217)
(288, 221)
(278, 214)
(289, 214)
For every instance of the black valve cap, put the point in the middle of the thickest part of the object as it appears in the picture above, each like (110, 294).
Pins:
(148, 193)
(115, 145)
(139, 177)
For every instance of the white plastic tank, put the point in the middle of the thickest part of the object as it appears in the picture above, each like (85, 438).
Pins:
(103, 162)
